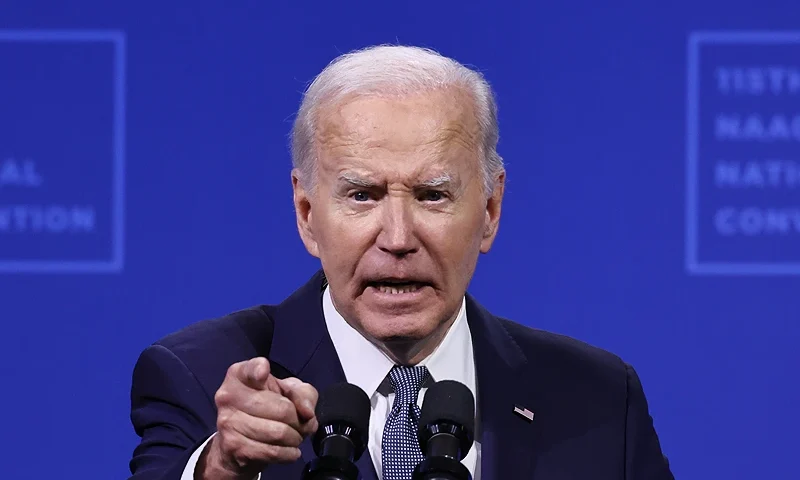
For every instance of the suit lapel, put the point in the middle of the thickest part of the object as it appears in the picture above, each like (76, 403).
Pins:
(504, 380)
(304, 348)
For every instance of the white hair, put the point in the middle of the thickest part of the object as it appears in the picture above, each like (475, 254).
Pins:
(394, 70)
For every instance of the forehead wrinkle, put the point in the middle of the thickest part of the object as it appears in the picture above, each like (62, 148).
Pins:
(439, 160)
(425, 176)
(445, 139)
(331, 135)
(335, 130)
(355, 136)
(457, 125)
(351, 142)
(453, 119)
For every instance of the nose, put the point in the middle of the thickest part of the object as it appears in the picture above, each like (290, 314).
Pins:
(397, 235)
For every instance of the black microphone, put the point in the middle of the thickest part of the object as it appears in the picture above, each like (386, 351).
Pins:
(446, 431)
(343, 414)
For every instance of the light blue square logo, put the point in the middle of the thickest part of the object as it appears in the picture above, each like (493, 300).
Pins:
(743, 153)
(62, 151)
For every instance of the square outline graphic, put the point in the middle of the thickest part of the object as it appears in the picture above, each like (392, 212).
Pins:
(696, 40)
(116, 262)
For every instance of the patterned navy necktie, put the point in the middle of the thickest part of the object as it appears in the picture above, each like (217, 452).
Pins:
(400, 451)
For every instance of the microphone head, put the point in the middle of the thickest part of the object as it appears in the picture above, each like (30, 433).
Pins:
(448, 407)
(343, 409)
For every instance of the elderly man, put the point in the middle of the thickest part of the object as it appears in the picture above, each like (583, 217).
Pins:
(397, 190)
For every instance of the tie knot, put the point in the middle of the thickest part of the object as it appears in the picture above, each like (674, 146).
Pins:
(407, 382)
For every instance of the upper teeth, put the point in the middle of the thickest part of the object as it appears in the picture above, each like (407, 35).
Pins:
(398, 289)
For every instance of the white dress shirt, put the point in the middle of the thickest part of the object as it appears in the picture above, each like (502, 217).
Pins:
(368, 367)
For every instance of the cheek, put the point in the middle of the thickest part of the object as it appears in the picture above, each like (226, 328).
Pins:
(455, 241)
(342, 237)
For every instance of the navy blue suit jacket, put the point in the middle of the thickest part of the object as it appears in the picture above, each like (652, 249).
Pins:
(591, 417)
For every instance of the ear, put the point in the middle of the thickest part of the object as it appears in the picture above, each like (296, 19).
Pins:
(302, 209)
(493, 207)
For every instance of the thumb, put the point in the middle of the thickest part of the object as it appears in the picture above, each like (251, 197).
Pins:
(303, 395)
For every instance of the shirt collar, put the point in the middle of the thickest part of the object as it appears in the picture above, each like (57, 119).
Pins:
(367, 366)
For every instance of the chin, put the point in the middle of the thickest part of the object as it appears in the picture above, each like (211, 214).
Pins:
(401, 328)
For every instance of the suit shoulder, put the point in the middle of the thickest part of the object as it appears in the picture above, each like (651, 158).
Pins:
(247, 331)
(566, 355)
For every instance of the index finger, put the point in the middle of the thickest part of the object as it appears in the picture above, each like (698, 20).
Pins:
(254, 373)
(303, 395)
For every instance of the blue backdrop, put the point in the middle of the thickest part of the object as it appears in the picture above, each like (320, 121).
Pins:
(652, 205)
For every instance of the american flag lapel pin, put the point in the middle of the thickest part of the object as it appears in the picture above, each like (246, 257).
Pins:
(524, 413)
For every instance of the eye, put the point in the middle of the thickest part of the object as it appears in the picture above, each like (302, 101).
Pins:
(360, 196)
(432, 196)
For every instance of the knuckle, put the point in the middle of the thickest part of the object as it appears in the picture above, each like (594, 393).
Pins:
(284, 409)
(312, 393)
(283, 433)
(223, 396)
(311, 427)
(292, 382)
(272, 451)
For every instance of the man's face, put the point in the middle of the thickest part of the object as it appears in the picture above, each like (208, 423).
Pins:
(399, 213)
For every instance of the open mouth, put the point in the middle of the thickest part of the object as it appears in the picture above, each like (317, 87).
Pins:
(397, 287)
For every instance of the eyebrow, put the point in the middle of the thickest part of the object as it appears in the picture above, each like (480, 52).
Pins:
(347, 177)
(435, 182)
